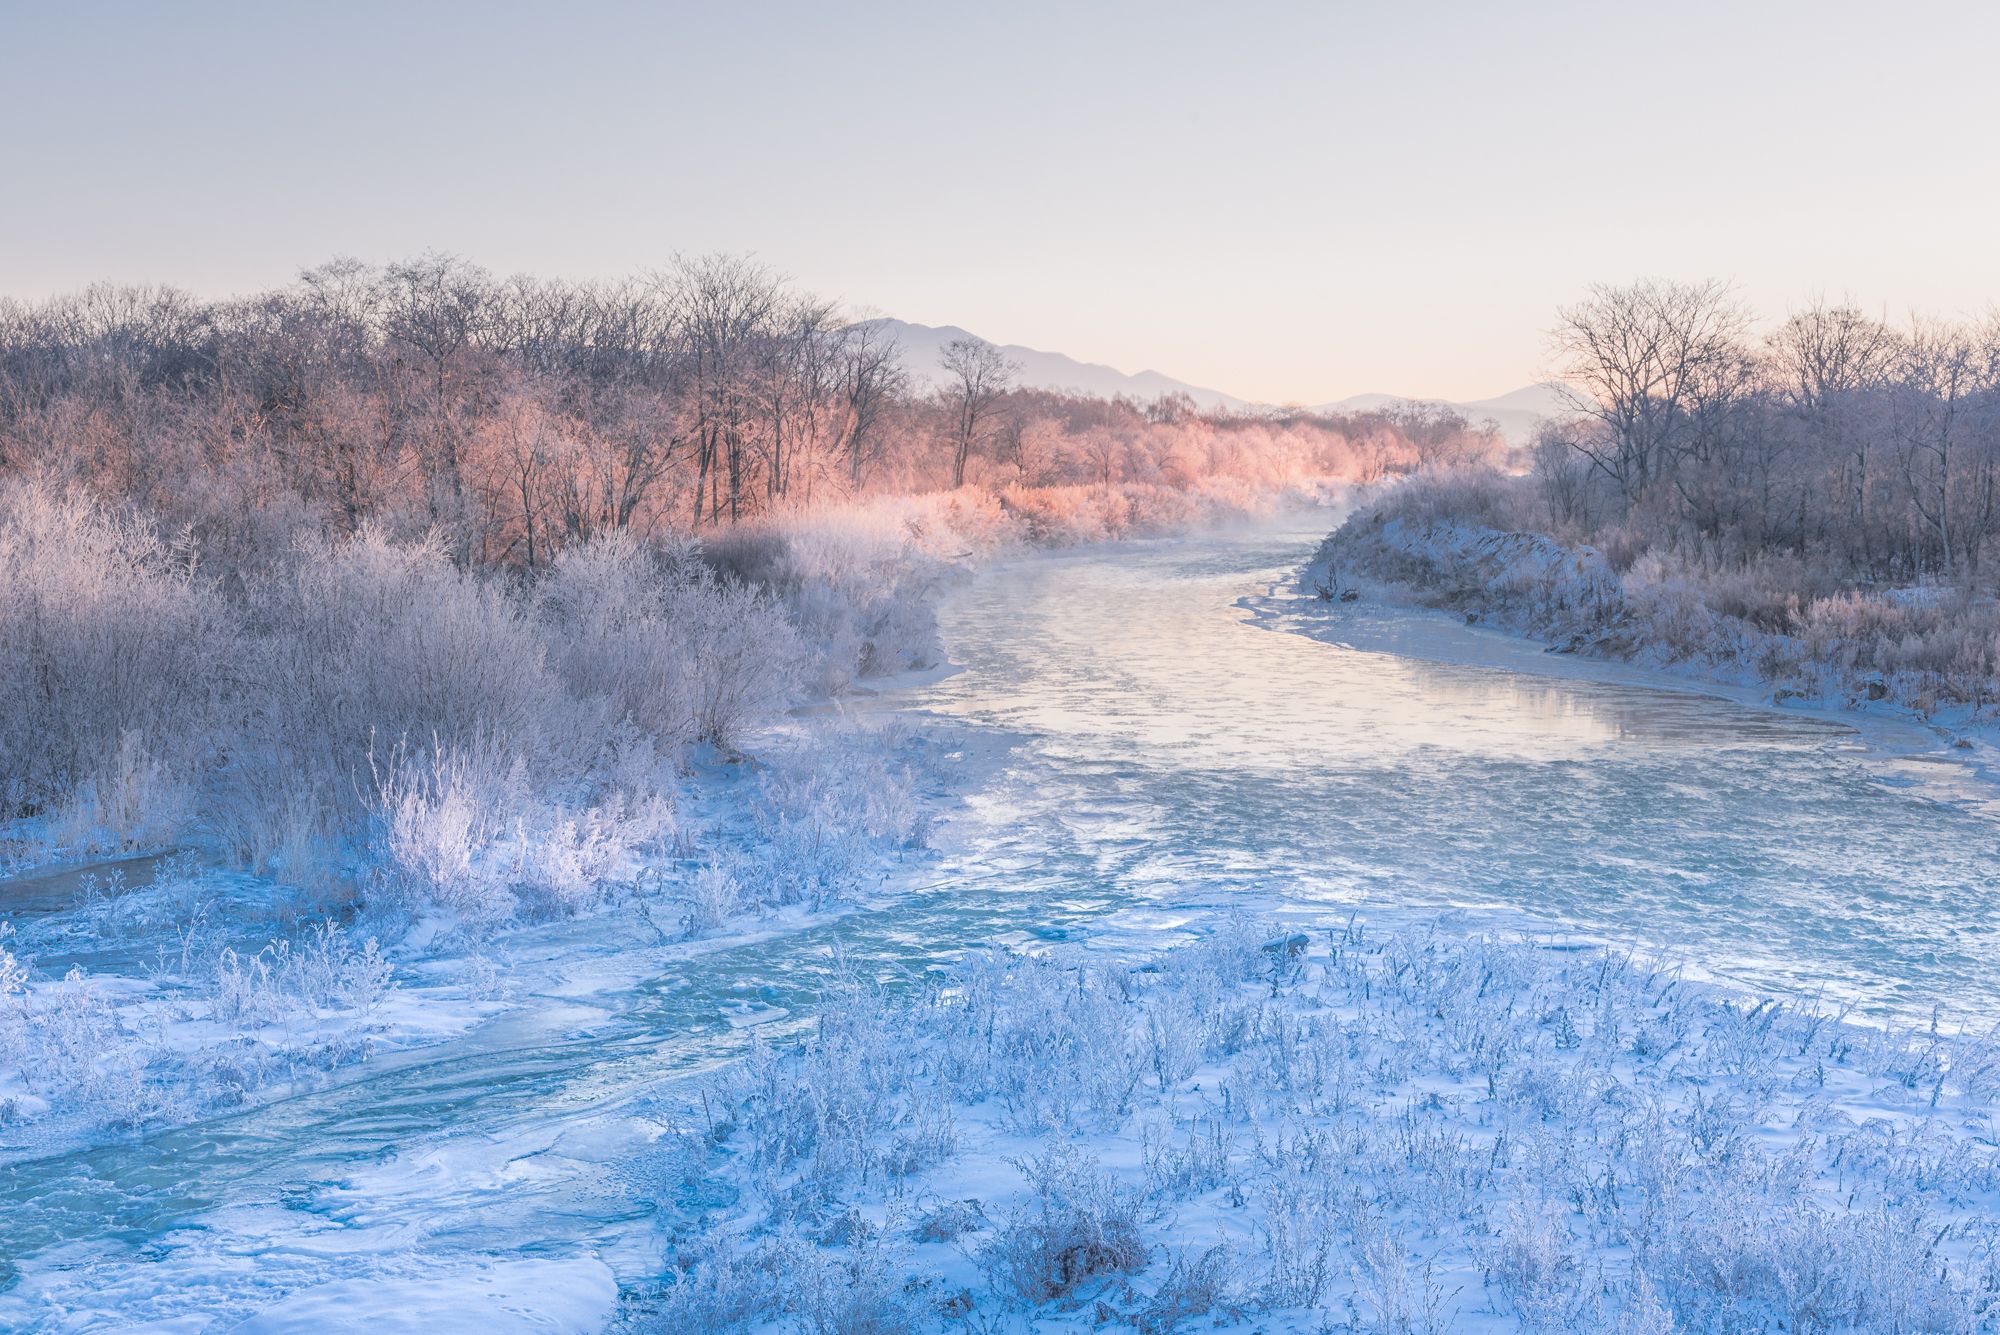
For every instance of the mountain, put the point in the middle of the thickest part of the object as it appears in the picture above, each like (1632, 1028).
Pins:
(1515, 413)
(921, 344)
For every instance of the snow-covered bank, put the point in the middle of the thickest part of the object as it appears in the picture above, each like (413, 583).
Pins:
(1571, 600)
(506, 1298)
(1427, 1130)
(190, 992)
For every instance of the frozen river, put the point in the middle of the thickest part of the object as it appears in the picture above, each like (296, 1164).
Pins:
(1143, 754)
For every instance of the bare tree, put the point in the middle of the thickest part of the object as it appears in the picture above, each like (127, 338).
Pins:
(1827, 366)
(1439, 436)
(1722, 462)
(1640, 361)
(1108, 452)
(436, 311)
(1939, 380)
(725, 310)
(1562, 474)
(871, 378)
(979, 378)
(526, 449)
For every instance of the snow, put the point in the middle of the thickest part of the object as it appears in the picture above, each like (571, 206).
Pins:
(1428, 1129)
(1128, 792)
(503, 1298)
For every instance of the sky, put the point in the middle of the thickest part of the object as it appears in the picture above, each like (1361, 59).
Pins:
(1288, 202)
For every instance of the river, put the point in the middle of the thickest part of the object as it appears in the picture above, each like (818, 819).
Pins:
(1142, 753)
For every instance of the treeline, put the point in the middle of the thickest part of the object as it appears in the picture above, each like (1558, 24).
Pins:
(1863, 452)
(511, 418)
(1817, 507)
(428, 586)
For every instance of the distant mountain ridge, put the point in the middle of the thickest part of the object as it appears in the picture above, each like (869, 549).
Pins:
(921, 344)
(1515, 413)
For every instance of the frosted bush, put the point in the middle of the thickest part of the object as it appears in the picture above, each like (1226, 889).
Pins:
(405, 647)
(1065, 516)
(370, 649)
(856, 589)
(323, 971)
(833, 1109)
(745, 661)
(563, 861)
(712, 896)
(13, 977)
(1197, 1284)
(1398, 1295)
(131, 797)
(846, 774)
(654, 632)
(724, 1288)
(329, 971)
(1300, 1230)
(457, 832)
(14, 1022)
(863, 1293)
(827, 816)
(1535, 1268)
(809, 857)
(1079, 1225)
(112, 651)
(1064, 1058)
(441, 814)
(69, 1046)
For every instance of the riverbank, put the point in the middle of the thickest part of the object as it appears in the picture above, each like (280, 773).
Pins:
(184, 992)
(1572, 606)
(1346, 1130)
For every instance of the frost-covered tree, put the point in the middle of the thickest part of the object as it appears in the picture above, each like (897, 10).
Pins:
(978, 376)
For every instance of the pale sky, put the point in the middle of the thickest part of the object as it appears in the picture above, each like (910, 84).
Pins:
(1287, 202)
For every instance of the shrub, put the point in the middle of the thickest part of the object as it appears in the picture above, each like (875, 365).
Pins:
(1196, 1285)
(680, 652)
(856, 588)
(1079, 1225)
(608, 605)
(368, 653)
(712, 897)
(323, 971)
(113, 657)
(441, 813)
